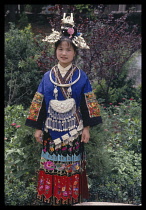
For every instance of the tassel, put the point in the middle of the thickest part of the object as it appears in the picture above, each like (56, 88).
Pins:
(59, 125)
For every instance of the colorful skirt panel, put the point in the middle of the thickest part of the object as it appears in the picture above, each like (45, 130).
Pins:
(62, 174)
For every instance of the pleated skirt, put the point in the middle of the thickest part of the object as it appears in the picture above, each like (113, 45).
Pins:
(62, 176)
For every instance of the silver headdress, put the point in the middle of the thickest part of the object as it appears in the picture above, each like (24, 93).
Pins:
(67, 20)
(67, 29)
(53, 37)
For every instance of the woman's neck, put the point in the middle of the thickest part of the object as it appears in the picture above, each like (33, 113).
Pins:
(63, 70)
(64, 65)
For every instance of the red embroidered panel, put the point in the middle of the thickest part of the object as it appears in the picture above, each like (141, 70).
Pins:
(45, 184)
(35, 106)
(66, 187)
(76, 184)
(60, 187)
(92, 104)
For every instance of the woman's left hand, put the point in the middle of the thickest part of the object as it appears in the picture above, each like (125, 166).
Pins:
(85, 135)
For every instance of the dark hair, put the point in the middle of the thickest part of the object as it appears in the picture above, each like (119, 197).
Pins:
(68, 40)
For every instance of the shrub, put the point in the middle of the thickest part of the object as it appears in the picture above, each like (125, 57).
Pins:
(22, 155)
(21, 71)
(119, 158)
(18, 194)
(123, 87)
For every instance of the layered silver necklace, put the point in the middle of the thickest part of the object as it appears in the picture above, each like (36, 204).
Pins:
(69, 90)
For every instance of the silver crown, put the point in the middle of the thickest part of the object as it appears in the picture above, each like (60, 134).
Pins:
(68, 20)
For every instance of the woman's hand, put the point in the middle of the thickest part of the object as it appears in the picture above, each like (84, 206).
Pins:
(38, 136)
(85, 135)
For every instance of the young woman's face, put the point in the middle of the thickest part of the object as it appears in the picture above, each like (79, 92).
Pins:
(65, 53)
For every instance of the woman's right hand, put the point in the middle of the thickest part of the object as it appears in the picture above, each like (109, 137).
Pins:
(38, 136)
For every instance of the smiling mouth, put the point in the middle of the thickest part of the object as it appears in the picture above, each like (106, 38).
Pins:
(63, 57)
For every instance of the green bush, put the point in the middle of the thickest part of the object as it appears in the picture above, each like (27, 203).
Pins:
(121, 87)
(18, 194)
(114, 169)
(22, 156)
(22, 74)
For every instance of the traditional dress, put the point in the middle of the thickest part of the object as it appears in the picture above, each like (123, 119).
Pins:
(63, 104)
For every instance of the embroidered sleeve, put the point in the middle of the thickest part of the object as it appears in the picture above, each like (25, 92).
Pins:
(37, 112)
(92, 104)
(35, 106)
(90, 110)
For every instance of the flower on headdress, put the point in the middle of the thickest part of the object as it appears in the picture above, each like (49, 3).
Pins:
(70, 31)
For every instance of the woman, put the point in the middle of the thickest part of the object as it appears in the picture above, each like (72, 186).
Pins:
(62, 111)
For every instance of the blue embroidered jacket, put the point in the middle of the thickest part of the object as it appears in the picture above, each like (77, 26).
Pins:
(86, 103)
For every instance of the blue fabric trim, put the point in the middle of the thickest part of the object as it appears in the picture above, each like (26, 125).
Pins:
(61, 158)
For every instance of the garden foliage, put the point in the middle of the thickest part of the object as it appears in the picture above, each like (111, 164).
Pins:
(22, 155)
(22, 75)
(114, 154)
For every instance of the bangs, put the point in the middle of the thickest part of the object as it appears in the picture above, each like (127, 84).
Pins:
(67, 40)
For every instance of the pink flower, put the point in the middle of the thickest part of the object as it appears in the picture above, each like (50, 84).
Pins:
(131, 99)
(64, 148)
(47, 187)
(18, 126)
(70, 31)
(13, 124)
(105, 129)
(49, 165)
(41, 187)
(124, 98)
(44, 150)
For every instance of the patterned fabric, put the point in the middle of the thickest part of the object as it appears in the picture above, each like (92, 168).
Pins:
(66, 189)
(59, 182)
(60, 167)
(58, 157)
(92, 104)
(35, 106)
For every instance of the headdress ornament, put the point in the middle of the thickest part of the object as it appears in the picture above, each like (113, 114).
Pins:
(67, 29)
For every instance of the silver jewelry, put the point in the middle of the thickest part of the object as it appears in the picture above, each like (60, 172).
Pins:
(61, 115)
(64, 85)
